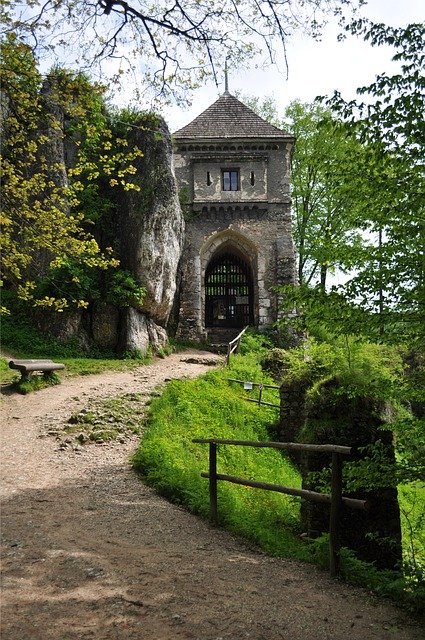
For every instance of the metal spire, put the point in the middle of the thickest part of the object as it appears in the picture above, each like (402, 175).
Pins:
(226, 80)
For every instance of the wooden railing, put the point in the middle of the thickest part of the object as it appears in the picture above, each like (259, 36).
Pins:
(335, 498)
(261, 386)
(234, 345)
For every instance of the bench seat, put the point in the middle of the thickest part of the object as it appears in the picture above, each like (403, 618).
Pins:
(27, 367)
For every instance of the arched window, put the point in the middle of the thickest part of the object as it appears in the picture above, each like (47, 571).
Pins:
(228, 292)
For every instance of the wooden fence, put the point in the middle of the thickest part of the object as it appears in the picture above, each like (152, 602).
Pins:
(234, 345)
(261, 386)
(335, 498)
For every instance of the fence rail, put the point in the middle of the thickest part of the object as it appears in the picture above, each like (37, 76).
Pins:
(234, 345)
(335, 498)
(261, 386)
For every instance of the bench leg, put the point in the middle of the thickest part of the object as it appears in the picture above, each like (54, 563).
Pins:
(48, 374)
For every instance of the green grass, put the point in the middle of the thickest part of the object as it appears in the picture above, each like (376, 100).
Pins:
(210, 407)
(21, 339)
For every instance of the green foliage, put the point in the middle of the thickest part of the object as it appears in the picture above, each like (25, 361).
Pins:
(389, 281)
(184, 202)
(411, 498)
(362, 368)
(20, 335)
(45, 217)
(74, 281)
(137, 355)
(36, 382)
(254, 342)
(325, 226)
(209, 407)
(358, 198)
(411, 447)
(71, 281)
(375, 470)
(123, 290)
(407, 591)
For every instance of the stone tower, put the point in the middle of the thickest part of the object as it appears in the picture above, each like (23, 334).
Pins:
(233, 171)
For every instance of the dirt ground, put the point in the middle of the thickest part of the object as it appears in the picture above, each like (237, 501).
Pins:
(90, 552)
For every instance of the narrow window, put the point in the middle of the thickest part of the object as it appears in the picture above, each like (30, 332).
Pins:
(252, 178)
(208, 178)
(230, 179)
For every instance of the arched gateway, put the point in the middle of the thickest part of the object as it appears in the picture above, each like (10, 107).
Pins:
(232, 169)
(229, 298)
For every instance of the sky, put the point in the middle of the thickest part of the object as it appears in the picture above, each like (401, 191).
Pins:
(315, 68)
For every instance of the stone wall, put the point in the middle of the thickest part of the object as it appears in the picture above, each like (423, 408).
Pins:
(332, 417)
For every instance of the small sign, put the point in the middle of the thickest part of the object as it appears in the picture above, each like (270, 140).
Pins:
(247, 386)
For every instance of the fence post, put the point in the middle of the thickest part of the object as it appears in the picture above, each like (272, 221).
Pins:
(213, 483)
(229, 351)
(334, 522)
(260, 396)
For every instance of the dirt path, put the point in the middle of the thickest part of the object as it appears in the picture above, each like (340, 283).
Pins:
(89, 552)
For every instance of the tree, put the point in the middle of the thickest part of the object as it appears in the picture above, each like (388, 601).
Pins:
(323, 208)
(390, 281)
(172, 45)
(324, 160)
(43, 225)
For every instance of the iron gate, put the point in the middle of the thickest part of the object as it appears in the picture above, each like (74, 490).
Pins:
(228, 292)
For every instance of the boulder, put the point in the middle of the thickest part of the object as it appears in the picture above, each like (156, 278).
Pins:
(139, 333)
(104, 325)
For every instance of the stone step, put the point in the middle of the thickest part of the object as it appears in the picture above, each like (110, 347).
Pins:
(221, 337)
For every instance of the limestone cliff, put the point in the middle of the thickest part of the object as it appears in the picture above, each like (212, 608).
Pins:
(150, 226)
(145, 227)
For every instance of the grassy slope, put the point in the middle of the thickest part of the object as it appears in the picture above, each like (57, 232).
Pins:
(211, 407)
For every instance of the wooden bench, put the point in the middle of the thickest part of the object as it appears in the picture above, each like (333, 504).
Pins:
(27, 367)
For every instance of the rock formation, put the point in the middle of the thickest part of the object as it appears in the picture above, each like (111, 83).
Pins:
(151, 228)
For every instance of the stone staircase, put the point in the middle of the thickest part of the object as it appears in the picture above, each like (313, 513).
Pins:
(218, 338)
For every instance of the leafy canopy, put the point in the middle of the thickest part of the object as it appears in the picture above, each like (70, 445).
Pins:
(385, 294)
(44, 226)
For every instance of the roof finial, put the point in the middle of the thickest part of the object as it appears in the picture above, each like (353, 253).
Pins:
(226, 79)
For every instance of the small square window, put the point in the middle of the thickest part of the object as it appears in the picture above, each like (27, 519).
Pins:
(230, 179)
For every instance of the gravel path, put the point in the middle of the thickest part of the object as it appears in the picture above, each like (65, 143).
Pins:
(89, 552)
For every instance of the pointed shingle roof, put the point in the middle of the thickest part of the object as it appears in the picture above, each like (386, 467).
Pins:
(228, 117)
